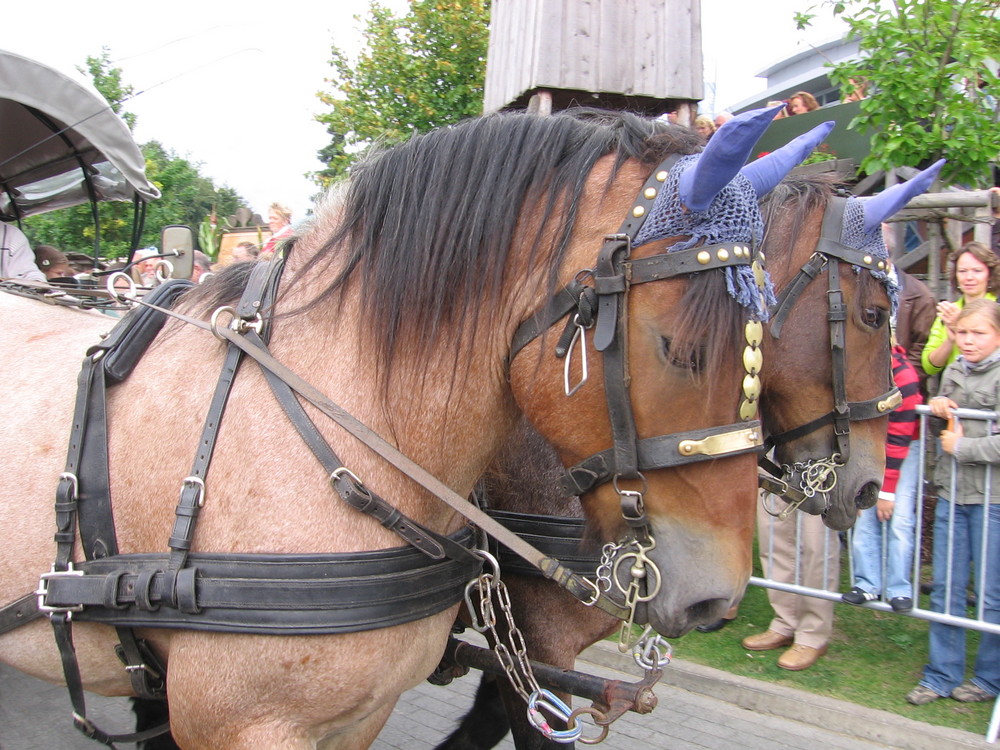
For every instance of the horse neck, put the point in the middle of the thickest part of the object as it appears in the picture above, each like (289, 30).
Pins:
(448, 407)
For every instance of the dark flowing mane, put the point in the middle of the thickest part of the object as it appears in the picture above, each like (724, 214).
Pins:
(786, 208)
(427, 227)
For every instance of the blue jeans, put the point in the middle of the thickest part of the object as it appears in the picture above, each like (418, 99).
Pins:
(946, 669)
(866, 544)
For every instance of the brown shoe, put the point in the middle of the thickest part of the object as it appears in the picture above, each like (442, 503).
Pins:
(766, 641)
(800, 657)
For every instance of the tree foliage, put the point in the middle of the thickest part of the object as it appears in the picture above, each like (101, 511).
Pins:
(416, 72)
(930, 67)
(186, 196)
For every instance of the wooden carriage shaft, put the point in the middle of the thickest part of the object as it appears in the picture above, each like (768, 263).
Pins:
(617, 695)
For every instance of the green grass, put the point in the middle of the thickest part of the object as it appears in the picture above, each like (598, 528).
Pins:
(874, 659)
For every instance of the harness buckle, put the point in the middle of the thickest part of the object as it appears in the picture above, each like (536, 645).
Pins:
(42, 592)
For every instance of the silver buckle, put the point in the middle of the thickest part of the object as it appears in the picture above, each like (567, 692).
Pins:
(42, 591)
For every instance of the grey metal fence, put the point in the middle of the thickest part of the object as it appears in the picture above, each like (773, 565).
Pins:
(830, 570)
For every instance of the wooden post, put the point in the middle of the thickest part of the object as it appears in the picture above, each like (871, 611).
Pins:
(934, 261)
(540, 103)
(686, 112)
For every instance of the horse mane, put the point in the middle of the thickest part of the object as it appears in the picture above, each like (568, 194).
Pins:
(427, 228)
(788, 205)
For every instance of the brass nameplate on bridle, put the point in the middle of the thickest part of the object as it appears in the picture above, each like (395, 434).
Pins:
(727, 442)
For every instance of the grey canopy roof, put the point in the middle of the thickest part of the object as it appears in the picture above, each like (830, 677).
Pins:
(57, 135)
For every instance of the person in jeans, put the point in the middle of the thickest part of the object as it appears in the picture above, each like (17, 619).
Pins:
(896, 506)
(963, 515)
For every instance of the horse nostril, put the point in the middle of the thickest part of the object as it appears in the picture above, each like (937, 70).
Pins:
(867, 497)
(707, 610)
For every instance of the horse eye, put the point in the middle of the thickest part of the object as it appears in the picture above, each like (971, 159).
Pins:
(689, 360)
(874, 317)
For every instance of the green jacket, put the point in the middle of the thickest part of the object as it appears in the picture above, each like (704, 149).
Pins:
(975, 389)
(936, 336)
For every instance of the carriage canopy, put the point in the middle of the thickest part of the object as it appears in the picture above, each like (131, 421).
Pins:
(62, 144)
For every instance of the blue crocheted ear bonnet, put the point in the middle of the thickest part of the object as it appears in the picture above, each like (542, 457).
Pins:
(863, 219)
(733, 216)
(853, 234)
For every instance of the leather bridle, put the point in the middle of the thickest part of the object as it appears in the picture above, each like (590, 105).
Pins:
(604, 307)
(819, 475)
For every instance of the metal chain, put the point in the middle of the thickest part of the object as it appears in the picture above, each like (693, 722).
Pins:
(513, 655)
(818, 475)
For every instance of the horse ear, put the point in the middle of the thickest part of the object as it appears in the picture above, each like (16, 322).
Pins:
(726, 153)
(772, 168)
(880, 207)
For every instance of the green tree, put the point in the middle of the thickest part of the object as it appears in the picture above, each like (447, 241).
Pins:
(187, 197)
(108, 80)
(933, 90)
(416, 72)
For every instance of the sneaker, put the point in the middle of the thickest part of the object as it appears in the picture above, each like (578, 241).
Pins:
(858, 595)
(969, 692)
(921, 695)
(901, 603)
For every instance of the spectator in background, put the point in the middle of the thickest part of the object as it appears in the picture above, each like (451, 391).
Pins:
(895, 507)
(279, 219)
(722, 118)
(799, 549)
(781, 112)
(53, 263)
(858, 92)
(964, 518)
(915, 314)
(704, 127)
(201, 268)
(144, 271)
(245, 251)
(975, 274)
(801, 102)
(16, 259)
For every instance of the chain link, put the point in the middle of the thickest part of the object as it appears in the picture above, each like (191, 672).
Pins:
(512, 653)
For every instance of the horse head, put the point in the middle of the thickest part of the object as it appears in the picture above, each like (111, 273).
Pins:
(659, 361)
(827, 377)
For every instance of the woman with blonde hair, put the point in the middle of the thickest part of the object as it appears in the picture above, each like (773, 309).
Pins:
(279, 219)
(704, 126)
(975, 274)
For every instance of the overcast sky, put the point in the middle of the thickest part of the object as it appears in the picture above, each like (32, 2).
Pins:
(232, 86)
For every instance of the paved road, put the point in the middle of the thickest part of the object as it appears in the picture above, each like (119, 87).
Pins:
(699, 709)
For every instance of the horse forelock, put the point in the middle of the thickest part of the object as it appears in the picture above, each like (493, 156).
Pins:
(708, 330)
(787, 207)
(433, 233)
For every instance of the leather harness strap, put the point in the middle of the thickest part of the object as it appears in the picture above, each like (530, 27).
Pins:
(83, 502)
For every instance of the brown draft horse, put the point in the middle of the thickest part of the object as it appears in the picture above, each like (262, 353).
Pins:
(796, 390)
(400, 306)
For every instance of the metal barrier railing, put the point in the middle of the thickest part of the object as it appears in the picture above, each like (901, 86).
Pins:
(976, 622)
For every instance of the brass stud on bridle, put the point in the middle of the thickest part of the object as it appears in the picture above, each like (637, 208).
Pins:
(753, 359)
